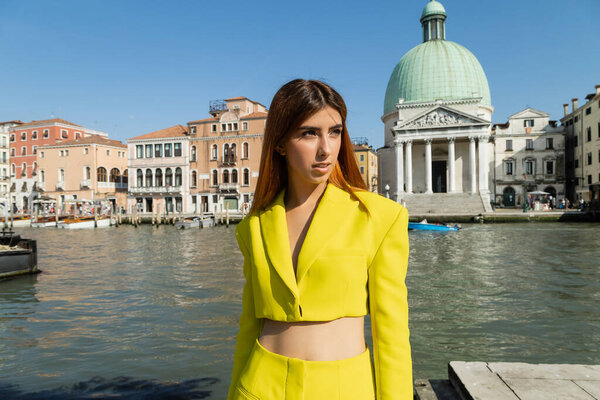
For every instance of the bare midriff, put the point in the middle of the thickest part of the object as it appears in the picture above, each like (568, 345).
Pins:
(315, 340)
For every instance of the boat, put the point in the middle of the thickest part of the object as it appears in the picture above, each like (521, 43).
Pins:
(188, 223)
(18, 221)
(425, 226)
(83, 222)
(18, 256)
(44, 216)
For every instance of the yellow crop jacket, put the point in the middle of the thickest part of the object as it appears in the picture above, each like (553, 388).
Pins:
(350, 263)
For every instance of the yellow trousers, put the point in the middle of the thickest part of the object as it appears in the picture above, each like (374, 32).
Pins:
(271, 376)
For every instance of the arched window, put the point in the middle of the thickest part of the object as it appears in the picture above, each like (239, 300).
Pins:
(225, 176)
(215, 177)
(245, 150)
(232, 152)
(246, 176)
(193, 153)
(88, 173)
(214, 153)
(124, 177)
(508, 197)
(13, 169)
(115, 175)
(194, 179)
(178, 177)
(101, 174)
(159, 177)
(169, 177)
(24, 169)
(34, 166)
(12, 137)
(234, 176)
(148, 177)
(225, 152)
(140, 178)
(61, 175)
(12, 152)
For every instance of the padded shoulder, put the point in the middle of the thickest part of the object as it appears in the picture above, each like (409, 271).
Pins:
(380, 208)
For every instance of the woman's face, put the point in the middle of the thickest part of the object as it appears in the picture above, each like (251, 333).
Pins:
(312, 150)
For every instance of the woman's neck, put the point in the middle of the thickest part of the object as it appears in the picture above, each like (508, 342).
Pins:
(303, 195)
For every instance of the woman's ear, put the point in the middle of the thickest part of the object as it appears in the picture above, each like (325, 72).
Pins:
(280, 150)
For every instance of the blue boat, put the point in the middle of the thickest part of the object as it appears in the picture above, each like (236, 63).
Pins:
(425, 226)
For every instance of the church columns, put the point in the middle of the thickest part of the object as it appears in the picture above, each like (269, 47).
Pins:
(451, 186)
(472, 162)
(408, 168)
(483, 164)
(399, 150)
(428, 179)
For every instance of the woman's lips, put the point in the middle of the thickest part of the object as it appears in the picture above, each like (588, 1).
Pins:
(321, 167)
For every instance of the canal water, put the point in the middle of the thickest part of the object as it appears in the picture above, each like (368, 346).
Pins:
(144, 313)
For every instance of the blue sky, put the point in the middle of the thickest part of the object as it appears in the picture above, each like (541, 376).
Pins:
(133, 67)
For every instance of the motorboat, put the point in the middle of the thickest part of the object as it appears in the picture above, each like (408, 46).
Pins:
(18, 256)
(188, 223)
(426, 226)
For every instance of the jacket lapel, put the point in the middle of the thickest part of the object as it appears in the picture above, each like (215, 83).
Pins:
(330, 216)
(274, 232)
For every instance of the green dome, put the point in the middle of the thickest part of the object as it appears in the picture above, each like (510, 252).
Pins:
(433, 8)
(436, 69)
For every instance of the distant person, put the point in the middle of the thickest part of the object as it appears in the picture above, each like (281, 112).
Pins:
(302, 325)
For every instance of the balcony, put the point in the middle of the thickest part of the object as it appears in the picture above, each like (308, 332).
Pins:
(155, 189)
(112, 185)
(229, 187)
(60, 185)
(86, 183)
(229, 160)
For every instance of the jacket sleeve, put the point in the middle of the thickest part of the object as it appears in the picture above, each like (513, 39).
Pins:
(249, 325)
(389, 313)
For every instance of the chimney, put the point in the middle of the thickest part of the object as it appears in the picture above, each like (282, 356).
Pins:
(574, 100)
(597, 89)
(566, 108)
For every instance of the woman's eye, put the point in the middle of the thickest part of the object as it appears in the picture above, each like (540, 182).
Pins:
(336, 132)
(309, 133)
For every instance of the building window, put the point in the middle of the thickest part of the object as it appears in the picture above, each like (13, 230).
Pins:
(193, 129)
(158, 177)
(194, 179)
(177, 149)
(33, 149)
(24, 169)
(589, 179)
(246, 177)
(529, 167)
(167, 149)
(64, 134)
(12, 151)
(588, 110)
(362, 157)
(193, 153)
(549, 167)
(528, 123)
(61, 175)
(509, 145)
(86, 150)
(234, 176)
(509, 167)
(148, 177)
(46, 134)
(214, 152)
(12, 137)
(34, 135)
(158, 150)
(101, 173)
(23, 136)
(599, 126)
(140, 178)
(235, 126)
(213, 128)
(245, 150)
(576, 119)
(362, 169)
(549, 143)
(244, 126)
(148, 151)
(223, 127)
(24, 150)
(589, 134)
(229, 126)
(41, 154)
(576, 162)
(215, 177)
(169, 177)
(115, 175)
(107, 152)
(77, 135)
(529, 144)
(225, 176)
(139, 151)
(88, 173)
(178, 177)
(575, 141)
(589, 158)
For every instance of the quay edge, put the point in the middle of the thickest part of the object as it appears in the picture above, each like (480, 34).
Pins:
(505, 217)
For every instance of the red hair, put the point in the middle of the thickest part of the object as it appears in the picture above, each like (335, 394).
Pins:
(294, 103)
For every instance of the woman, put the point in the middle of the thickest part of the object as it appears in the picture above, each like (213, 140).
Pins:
(320, 252)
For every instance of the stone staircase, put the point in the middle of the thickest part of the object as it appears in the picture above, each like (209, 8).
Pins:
(447, 203)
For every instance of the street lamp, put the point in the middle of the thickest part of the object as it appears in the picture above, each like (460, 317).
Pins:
(387, 191)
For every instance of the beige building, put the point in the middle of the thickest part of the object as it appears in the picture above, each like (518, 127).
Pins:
(88, 168)
(225, 154)
(5, 155)
(582, 127)
(159, 169)
(366, 159)
(529, 152)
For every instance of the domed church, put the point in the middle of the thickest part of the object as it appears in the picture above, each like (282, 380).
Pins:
(437, 115)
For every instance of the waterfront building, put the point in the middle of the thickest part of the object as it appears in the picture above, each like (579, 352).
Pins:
(159, 171)
(24, 140)
(225, 154)
(5, 156)
(86, 168)
(582, 126)
(437, 125)
(529, 153)
(366, 159)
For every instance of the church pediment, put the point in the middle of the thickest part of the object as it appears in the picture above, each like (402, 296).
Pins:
(529, 113)
(441, 117)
